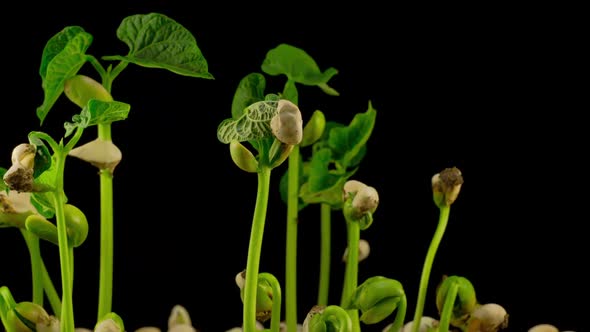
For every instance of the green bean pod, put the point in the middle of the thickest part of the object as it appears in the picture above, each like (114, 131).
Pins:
(243, 157)
(76, 225)
(29, 317)
(80, 89)
(313, 129)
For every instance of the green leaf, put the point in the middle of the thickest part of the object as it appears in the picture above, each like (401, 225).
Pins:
(63, 56)
(324, 185)
(98, 112)
(348, 143)
(157, 41)
(331, 195)
(3, 186)
(298, 66)
(42, 157)
(253, 124)
(55, 45)
(250, 90)
(43, 201)
(290, 92)
(42, 227)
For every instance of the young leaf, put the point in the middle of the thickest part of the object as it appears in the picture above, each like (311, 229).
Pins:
(63, 56)
(42, 156)
(3, 186)
(348, 142)
(157, 41)
(98, 112)
(250, 90)
(298, 66)
(253, 124)
(330, 195)
(290, 92)
(55, 45)
(324, 185)
(43, 202)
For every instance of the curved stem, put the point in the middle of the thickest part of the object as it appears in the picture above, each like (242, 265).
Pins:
(36, 265)
(325, 253)
(400, 316)
(351, 272)
(255, 248)
(275, 319)
(291, 250)
(445, 316)
(50, 291)
(336, 313)
(438, 234)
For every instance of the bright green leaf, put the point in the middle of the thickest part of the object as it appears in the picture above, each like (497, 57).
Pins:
(42, 157)
(43, 202)
(290, 92)
(157, 41)
(250, 90)
(298, 66)
(348, 142)
(55, 45)
(331, 196)
(3, 186)
(98, 112)
(63, 57)
(324, 185)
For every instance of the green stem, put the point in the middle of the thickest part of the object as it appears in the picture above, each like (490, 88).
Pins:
(67, 314)
(105, 289)
(255, 248)
(351, 272)
(336, 314)
(291, 250)
(400, 316)
(325, 254)
(275, 319)
(36, 265)
(50, 291)
(445, 316)
(438, 234)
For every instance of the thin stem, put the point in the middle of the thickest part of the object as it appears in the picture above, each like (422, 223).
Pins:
(325, 253)
(67, 314)
(291, 250)
(438, 234)
(351, 272)
(400, 315)
(445, 316)
(36, 265)
(275, 319)
(105, 289)
(50, 291)
(255, 248)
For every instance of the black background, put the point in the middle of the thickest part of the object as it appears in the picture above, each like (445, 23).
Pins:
(487, 89)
